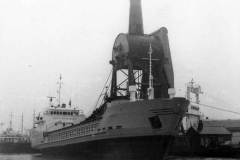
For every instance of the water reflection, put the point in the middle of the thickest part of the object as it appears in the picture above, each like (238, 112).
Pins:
(41, 157)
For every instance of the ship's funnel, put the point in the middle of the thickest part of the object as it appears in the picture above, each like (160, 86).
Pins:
(135, 18)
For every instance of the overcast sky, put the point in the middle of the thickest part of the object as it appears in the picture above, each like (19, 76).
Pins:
(39, 39)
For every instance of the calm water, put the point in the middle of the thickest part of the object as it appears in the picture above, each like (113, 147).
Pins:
(40, 157)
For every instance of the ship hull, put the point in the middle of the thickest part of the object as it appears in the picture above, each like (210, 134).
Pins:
(144, 147)
(16, 148)
(192, 145)
(129, 130)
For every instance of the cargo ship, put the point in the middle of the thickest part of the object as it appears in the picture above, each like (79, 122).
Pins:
(11, 142)
(138, 115)
(15, 142)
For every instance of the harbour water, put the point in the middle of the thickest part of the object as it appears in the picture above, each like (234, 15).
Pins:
(41, 157)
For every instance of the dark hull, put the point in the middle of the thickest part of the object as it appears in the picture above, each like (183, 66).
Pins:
(147, 147)
(16, 148)
(183, 146)
(190, 146)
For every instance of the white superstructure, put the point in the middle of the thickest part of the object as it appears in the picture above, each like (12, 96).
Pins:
(54, 117)
(193, 114)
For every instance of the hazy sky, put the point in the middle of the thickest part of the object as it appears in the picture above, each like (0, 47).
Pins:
(39, 39)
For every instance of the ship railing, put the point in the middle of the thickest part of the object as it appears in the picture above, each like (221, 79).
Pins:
(72, 132)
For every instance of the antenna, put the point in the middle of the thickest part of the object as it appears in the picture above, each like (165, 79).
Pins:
(1, 125)
(34, 115)
(150, 88)
(59, 90)
(50, 100)
(70, 103)
(10, 124)
(22, 124)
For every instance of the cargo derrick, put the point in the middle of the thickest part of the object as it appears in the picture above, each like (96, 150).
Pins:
(130, 57)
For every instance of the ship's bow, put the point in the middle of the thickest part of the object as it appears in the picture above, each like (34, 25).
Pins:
(142, 129)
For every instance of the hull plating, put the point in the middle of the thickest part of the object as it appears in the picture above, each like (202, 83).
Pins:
(16, 148)
(148, 147)
(132, 129)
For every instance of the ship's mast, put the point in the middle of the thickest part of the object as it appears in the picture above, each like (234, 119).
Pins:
(50, 100)
(59, 90)
(150, 88)
(34, 115)
(22, 125)
(10, 123)
(1, 125)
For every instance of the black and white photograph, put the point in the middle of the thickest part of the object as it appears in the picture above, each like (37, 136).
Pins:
(119, 79)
